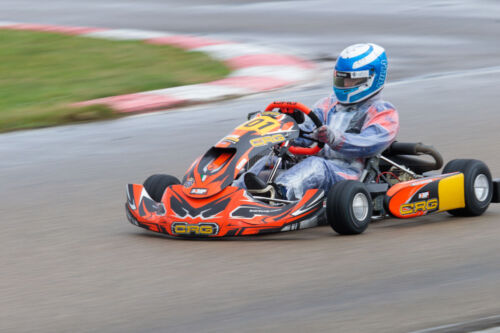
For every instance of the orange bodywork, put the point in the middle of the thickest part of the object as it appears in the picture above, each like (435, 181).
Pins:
(231, 212)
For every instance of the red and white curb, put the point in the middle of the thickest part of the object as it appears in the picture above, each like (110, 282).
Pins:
(255, 68)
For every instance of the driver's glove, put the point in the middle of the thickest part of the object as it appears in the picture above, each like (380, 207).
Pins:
(324, 134)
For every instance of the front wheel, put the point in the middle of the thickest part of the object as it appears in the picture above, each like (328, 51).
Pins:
(478, 186)
(156, 185)
(349, 207)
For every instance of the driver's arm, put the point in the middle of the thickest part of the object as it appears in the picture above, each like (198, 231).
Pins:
(319, 109)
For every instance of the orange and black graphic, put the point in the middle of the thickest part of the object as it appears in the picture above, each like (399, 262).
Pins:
(229, 213)
(427, 195)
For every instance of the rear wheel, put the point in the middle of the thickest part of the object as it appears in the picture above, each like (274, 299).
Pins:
(349, 207)
(156, 185)
(477, 185)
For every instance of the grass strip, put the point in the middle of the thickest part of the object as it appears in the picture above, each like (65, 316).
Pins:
(41, 74)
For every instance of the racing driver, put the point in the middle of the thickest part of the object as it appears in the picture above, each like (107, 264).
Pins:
(358, 124)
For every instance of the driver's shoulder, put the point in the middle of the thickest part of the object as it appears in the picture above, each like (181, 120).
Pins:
(325, 103)
(380, 105)
(323, 106)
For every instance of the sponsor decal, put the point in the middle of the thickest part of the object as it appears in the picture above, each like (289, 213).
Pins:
(232, 138)
(250, 211)
(262, 211)
(259, 142)
(420, 206)
(198, 191)
(423, 195)
(342, 74)
(360, 74)
(201, 229)
(381, 79)
(353, 75)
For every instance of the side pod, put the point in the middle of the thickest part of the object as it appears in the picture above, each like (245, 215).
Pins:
(426, 195)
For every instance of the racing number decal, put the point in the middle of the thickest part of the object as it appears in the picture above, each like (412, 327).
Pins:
(261, 125)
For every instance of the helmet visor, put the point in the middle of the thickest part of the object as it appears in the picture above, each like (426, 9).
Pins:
(350, 79)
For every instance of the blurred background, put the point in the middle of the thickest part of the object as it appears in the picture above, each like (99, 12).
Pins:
(71, 261)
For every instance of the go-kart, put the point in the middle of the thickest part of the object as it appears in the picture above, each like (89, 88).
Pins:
(395, 183)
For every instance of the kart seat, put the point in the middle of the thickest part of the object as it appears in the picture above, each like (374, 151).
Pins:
(405, 153)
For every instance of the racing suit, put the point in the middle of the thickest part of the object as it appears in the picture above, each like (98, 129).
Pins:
(361, 130)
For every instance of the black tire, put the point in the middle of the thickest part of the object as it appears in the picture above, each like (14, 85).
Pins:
(339, 207)
(156, 185)
(472, 169)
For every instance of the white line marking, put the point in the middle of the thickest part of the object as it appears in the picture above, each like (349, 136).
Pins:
(471, 322)
(127, 34)
(489, 330)
(287, 73)
(232, 50)
(447, 75)
(6, 23)
(201, 92)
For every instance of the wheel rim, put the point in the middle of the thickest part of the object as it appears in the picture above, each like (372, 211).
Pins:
(481, 187)
(360, 206)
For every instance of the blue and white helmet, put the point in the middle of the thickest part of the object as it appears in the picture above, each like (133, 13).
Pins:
(359, 73)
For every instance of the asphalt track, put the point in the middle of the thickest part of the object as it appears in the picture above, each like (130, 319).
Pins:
(71, 263)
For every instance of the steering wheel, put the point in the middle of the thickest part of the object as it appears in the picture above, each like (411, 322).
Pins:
(289, 108)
